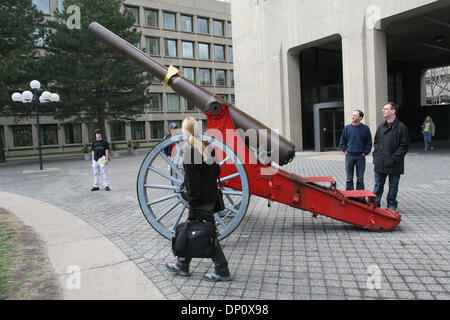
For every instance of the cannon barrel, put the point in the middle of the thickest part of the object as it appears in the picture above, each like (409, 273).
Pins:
(196, 95)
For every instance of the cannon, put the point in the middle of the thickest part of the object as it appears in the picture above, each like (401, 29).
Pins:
(249, 165)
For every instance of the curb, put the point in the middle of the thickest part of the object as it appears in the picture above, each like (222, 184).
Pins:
(88, 265)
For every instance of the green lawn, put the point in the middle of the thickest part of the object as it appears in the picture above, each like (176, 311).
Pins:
(7, 257)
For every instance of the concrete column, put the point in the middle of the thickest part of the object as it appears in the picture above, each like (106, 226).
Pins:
(61, 137)
(294, 114)
(365, 75)
(34, 134)
(108, 132)
(377, 77)
(147, 131)
(84, 134)
(9, 140)
(128, 131)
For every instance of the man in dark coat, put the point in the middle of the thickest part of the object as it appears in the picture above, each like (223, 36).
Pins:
(390, 147)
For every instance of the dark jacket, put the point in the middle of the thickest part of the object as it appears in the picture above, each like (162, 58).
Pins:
(200, 180)
(390, 147)
(168, 149)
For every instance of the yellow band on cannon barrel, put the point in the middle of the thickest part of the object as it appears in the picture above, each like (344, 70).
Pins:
(172, 71)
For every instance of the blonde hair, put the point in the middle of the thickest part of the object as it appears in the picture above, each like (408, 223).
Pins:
(191, 131)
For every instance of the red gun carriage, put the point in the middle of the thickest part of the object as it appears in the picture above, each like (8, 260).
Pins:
(244, 169)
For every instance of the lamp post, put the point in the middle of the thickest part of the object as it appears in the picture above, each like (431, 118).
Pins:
(32, 98)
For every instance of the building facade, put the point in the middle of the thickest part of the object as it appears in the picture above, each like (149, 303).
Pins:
(303, 67)
(193, 35)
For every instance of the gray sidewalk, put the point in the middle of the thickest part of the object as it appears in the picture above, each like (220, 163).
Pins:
(277, 252)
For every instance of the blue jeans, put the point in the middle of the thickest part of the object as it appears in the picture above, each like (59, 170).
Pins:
(380, 179)
(427, 140)
(352, 161)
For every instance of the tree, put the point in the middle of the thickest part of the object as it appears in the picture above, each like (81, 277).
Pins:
(18, 22)
(95, 83)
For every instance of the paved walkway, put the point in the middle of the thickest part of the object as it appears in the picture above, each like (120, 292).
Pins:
(276, 253)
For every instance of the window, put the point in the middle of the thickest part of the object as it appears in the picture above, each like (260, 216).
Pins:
(91, 127)
(188, 49)
(203, 51)
(233, 100)
(437, 86)
(154, 79)
(219, 53)
(117, 131)
(190, 106)
(138, 130)
(203, 25)
(22, 136)
(189, 73)
(42, 5)
(135, 12)
(157, 129)
(49, 134)
(151, 18)
(170, 21)
(186, 23)
(152, 46)
(221, 79)
(232, 78)
(155, 102)
(72, 133)
(218, 28)
(230, 33)
(205, 77)
(171, 48)
(173, 102)
(60, 5)
(230, 54)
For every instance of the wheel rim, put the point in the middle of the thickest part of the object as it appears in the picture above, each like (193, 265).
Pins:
(160, 178)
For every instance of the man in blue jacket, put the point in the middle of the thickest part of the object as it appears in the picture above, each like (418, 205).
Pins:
(356, 142)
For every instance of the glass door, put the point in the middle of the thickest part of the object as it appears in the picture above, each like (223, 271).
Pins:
(332, 125)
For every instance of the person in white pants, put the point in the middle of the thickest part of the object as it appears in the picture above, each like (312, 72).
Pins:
(100, 159)
(100, 166)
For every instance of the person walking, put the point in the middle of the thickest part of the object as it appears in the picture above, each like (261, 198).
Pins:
(428, 131)
(390, 147)
(172, 129)
(201, 173)
(356, 143)
(100, 159)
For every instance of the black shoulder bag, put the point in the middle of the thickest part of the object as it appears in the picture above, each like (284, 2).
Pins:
(195, 239)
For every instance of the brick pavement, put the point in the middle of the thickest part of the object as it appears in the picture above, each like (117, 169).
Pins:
(277, 252)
